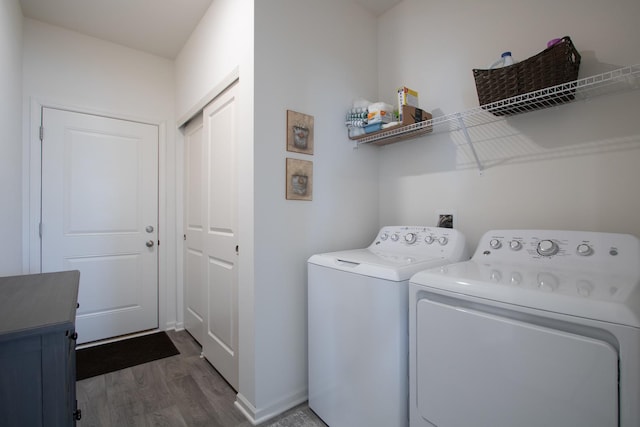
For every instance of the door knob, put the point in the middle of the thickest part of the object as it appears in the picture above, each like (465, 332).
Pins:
(149, 229)
(149, 243)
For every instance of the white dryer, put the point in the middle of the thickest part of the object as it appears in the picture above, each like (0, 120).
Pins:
(539, 328)
(358, 324)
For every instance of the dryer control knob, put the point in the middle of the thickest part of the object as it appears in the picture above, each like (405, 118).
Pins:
(516, 278)
(547, 247)
(495, 243)
(395, 237)
(410, 238)
(384, 236)
(515, 245)
(584, 250)
(584, 288)
(495, 276)
(548, 282)
(443, 241)
(429, 240)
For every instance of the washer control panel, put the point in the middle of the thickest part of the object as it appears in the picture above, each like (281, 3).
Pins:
(419, 240)
(611, 251)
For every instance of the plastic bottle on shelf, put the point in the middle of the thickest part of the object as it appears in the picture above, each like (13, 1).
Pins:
(505, 60)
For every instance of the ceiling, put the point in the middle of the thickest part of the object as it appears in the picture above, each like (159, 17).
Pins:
(160, 27)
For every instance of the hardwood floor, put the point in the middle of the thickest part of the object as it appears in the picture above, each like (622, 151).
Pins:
(182, 390)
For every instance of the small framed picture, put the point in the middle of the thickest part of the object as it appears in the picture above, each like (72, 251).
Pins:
(299, 132)
(299, 179)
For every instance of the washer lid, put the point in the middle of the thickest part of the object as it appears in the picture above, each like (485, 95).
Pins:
(605, 297)
(384, 265)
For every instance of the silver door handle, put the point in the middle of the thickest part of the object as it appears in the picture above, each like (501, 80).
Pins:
(149, 229)
(149, 243)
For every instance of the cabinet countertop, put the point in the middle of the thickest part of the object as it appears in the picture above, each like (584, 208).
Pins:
(37, 301)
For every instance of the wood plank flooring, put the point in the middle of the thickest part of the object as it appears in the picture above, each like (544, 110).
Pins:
(182, 390)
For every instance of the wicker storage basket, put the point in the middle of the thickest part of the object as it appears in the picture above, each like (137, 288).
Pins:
(553, 66)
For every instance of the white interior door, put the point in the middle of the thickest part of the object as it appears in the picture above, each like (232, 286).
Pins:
(100, 216)
(195, 299)
(219, 237)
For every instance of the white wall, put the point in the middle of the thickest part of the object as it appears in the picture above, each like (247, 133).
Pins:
(67, 69)
(11, 140)
(574, 167)
(315, 58)
(220, 43)
(299, 56)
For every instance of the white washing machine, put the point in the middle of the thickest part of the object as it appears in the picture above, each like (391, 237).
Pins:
(539, 328)
(358, 324)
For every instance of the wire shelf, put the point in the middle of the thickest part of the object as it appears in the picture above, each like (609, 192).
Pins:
(622, 79)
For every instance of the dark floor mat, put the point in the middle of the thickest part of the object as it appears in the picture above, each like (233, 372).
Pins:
(114, 356)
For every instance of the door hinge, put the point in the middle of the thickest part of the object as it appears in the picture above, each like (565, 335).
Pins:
(184, 237)
(237, 250)
(41, 133)
(40, 230)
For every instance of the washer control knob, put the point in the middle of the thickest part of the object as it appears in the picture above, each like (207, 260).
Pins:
(429, 240)
(495, 244)
(515, 245)
(443, 241)
(384, 236)
(395, 237)
(584, 250)
(547, 247)
(410, 238)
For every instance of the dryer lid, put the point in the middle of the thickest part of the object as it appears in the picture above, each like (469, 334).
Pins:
(606, 297)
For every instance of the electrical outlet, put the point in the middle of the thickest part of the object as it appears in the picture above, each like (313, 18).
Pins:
(446, 218)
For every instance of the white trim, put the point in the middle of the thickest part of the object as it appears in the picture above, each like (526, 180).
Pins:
(210, 96)
(247, 409)
(180, 229)
(76, 108)
(32, 181)
(164, 245)
(257, 416)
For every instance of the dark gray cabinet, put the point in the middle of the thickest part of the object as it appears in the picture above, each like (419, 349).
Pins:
(37, 349)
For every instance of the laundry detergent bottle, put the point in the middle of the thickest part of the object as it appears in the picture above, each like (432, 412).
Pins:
(505, 60)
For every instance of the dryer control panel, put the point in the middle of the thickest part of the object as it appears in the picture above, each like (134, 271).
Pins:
(586, 274)
(610, 252)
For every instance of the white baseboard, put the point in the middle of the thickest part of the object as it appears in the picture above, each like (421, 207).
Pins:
(260, 415)
(178, 326)
(170, 325)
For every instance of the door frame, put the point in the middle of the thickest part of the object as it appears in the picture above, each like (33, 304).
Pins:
(32, 176)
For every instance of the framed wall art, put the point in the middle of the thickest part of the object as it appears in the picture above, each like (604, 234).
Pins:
(299, 132)
(299, 179)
